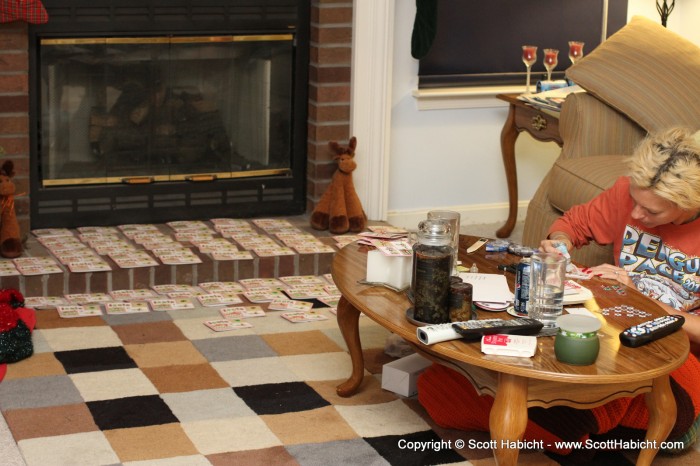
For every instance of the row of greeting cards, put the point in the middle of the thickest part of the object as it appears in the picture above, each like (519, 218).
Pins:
(146, 245)
(293, 295)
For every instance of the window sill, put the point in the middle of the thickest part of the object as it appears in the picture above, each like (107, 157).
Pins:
(463, 97)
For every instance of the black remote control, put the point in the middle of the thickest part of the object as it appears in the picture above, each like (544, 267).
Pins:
(646, 332)
(475, 329)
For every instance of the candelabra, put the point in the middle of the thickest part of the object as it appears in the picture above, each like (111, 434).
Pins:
(665, 10)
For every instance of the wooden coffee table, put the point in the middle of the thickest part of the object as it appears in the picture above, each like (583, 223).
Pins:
(542, 381)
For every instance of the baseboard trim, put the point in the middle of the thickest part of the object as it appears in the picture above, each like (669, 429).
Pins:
(472, 214)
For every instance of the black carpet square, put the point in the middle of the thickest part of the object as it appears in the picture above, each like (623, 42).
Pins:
(95, 359)
(278, 398)
(397, 450)
(135, 411)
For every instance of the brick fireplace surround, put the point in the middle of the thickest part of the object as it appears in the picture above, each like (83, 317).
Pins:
(329, 98)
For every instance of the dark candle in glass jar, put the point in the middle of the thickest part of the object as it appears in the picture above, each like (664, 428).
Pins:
(461, 302)
(432, 270)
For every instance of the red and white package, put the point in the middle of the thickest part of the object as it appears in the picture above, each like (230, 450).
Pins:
(509, 345)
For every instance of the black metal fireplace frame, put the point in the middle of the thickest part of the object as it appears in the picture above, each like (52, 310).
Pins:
(72, 206)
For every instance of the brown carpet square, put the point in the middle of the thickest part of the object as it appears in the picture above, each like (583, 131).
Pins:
(292, 343)
(184, 378)
(149, 332)
(165, 354)
(39, 365)
(278, 456)
(137, 444)
(50, 421)
(328, 424)
(50, 319)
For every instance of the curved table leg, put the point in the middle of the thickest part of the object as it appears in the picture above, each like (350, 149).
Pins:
(508, 417)
(348, 318)
(662, 416)
(509, 134)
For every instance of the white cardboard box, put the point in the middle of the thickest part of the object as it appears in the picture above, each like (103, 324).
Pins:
(400, 376)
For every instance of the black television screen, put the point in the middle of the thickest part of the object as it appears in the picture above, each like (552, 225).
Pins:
(479, 43)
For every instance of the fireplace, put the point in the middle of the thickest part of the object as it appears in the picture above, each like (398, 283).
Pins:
(155, 111)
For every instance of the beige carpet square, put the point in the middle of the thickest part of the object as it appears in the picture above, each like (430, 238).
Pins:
(371, 334)
(137, 443)
(109, 385)
(370, 392)
(320, 366)
(393, 418)
(226, 435)
(328, 425)
(255, 371)
(165, 354)
(184, 378)
(206, 404)
(194, 329)
(190, 460)
(275, 323)
(67, 339)
(91, 447)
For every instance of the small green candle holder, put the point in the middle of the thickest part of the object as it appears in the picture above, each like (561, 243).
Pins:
(577, 341)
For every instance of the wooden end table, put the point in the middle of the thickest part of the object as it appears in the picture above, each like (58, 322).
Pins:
(542, 126)
(538, 381)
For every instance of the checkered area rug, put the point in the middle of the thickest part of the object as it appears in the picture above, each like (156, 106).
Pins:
(162, 388)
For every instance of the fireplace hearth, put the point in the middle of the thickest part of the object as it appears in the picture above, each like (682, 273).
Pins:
(148, 113)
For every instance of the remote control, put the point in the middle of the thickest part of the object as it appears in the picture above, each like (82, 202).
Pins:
(477, 244)
(475, 329)
(646, 332)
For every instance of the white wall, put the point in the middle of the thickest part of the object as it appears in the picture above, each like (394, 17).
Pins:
(451, 159)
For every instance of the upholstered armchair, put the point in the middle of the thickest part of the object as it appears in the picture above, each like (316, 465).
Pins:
(643, 79)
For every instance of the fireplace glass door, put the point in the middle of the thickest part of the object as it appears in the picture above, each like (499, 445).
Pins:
(158, 109)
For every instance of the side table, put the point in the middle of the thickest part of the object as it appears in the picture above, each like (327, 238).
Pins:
(542, 126)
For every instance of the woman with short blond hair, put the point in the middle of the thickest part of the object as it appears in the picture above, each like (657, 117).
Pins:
(651, 219)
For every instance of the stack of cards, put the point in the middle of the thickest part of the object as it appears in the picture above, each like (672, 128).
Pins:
(8, 269)
(242, 312)
(37, 265)
(223, 325)
(303, 316)
(69, 311)
(130, 307)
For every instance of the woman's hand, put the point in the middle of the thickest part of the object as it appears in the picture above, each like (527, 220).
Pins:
(555, 242)
(611, 272)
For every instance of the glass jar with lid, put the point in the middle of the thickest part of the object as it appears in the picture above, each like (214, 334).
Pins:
(432, 267)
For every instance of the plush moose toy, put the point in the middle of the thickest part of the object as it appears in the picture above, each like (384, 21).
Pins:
(10, 244)
(339, 209)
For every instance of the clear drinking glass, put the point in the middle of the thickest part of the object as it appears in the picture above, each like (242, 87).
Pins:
(529, 58)
(551, 60)
(454, 220)
(547, 275)
(575, 51)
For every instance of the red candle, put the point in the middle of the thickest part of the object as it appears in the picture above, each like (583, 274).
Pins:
(529, 54)
(550, 56)
(575, 50)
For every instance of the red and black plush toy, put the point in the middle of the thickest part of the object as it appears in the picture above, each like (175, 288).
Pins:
(340, 209)
(16, 325)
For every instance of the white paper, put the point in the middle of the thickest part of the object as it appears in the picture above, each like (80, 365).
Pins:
(488, 287)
